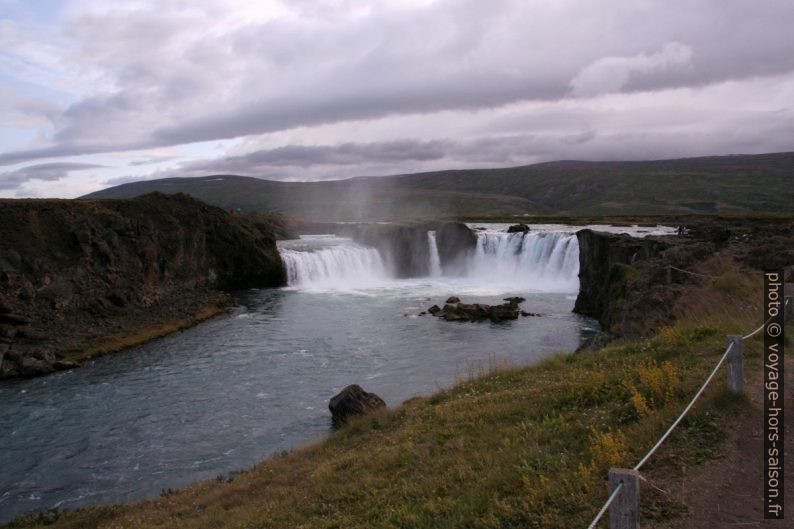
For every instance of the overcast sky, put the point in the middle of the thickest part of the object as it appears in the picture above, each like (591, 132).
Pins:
(95, 93)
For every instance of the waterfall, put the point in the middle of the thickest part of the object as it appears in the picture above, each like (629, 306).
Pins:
(539, 261)
(503, 262)
(331, 263)
(435, 259)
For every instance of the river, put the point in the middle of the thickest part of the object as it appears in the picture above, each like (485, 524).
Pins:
(231, 391)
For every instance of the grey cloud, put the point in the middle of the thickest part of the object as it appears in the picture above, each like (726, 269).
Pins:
(46, 171)
(304, 156)
(611, 74)
(150, 161)
(336, 161)
(599, 138)
(58, 150)
(582, 137)
(177, 85)
(124, 180)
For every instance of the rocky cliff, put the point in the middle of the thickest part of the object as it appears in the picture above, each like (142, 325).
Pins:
(76, 275)
(406, 246)
(456, 243)
(606, 269)
(624, 281)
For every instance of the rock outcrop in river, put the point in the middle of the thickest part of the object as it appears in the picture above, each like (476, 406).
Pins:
(406, 248)
(518, 228)
(454, 310)
(403, 246)
(80, 277)
(456, 243)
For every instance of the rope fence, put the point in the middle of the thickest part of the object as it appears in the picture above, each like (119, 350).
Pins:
(605, 506)
(666, 434)
(626, 516)
(671, 267)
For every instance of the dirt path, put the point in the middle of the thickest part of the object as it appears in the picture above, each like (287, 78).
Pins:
(728, 492)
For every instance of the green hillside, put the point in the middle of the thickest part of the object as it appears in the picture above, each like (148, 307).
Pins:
(720, 184)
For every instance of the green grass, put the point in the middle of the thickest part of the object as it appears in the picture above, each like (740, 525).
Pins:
(512, 447)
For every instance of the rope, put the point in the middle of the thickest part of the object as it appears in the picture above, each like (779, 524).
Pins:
(650, 483)
(662, 439)
(691, 273)
(748, 336)
(606, 506)
(700, 392)
(686, 410)
(680, 417)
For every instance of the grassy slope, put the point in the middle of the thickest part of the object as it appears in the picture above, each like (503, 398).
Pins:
(695, 185)
(513, 448)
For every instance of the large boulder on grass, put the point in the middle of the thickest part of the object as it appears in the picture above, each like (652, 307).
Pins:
(351, 401)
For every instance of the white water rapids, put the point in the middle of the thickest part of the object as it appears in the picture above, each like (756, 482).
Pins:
(534, 261)
(543, 262)
(332, 263)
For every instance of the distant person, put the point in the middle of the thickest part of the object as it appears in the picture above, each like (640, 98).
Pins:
(681, 232)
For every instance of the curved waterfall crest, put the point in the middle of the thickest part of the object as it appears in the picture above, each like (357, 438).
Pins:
(545, 261)
(536, 260)
(339, 263)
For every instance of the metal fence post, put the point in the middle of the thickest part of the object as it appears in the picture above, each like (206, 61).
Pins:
(624, 513)
(735, 364)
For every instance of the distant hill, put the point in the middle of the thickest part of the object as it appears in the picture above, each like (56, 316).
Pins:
(716, 184)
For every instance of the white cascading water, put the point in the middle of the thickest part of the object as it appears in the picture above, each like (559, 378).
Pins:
(537, 261)
(504, 262)
(332, 263)
(435, 259)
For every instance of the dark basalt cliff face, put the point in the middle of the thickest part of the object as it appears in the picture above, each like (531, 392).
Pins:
(407, 249)
(73, 273)
(605, 268)
(404, 247)
(624, 281)
(456, 243)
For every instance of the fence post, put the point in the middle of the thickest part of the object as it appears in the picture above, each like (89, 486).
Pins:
(735, 365)
(669, 274)
(789, 309)
(624, 513)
